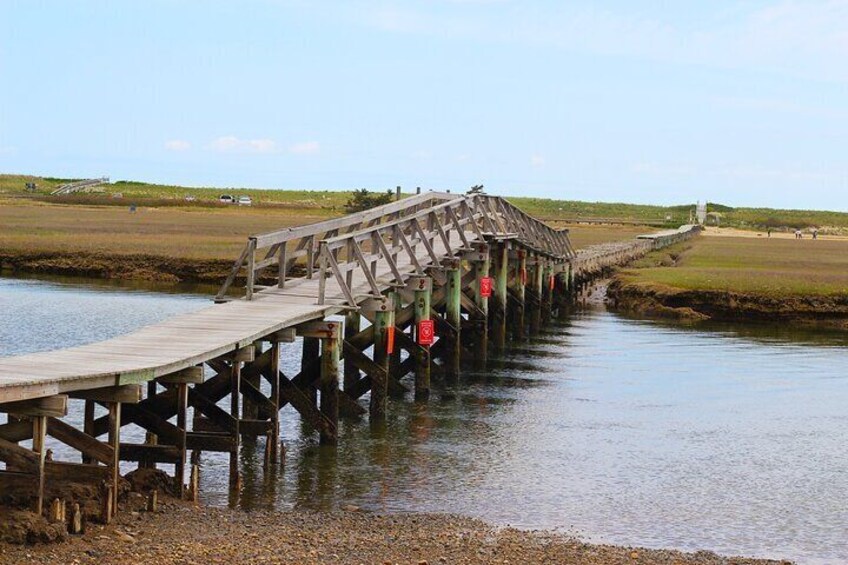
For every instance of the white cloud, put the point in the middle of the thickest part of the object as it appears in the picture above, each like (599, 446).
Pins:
(305, 148)
(537, 161)
(232, 144)
(795, 37)
(177, 145)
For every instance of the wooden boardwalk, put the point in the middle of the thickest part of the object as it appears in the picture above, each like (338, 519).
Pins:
(417, 287)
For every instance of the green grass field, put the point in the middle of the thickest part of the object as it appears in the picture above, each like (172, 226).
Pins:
(776, 267)
(332, 203)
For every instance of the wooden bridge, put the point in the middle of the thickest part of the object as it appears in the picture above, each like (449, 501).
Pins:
(414, 287)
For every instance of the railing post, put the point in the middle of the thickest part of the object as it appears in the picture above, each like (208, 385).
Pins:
(251, 268)
(281, 277)
(322, 273)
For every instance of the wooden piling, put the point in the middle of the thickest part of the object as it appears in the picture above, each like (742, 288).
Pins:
(379, 384)
(481, 266)
(308, 364)
(39, 434)
(353, 319)
(115, 442)
(423, 293)
(453, 315)
(330, 387)
(272, 443)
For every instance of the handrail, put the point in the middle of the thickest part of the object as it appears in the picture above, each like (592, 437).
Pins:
(336, 248)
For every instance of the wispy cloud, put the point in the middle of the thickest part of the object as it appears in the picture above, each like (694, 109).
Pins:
(795, 37)
(233, 144)
(177, 145)
(305, 148)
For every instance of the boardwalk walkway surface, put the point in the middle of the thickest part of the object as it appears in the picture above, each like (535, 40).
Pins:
(432, 275)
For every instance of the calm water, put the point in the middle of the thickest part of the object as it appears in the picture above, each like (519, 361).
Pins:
(728, 438)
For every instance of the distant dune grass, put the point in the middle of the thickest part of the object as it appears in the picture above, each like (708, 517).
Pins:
(774, 267)
(332, 202)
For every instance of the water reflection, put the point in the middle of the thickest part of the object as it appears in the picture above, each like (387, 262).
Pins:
(724, 437)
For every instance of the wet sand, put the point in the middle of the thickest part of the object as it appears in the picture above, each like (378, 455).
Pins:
(181, 533)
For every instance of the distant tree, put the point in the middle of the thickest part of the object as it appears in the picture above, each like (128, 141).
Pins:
(363, 199)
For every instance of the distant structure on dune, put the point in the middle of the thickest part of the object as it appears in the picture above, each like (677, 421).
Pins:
(701, 212)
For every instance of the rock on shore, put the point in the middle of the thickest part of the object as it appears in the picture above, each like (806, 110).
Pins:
(183, 534)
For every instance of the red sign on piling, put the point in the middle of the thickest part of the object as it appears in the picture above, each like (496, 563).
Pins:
(486, 287)
(524, 276)
(390, 340)
(426, 332)
(552, 283)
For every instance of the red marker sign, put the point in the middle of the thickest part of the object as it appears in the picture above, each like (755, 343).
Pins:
(486, 287)
(390, 340)
(524, 276)
(426, 332)
(552, 283)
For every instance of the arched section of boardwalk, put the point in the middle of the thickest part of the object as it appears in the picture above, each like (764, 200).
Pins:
(435, 275)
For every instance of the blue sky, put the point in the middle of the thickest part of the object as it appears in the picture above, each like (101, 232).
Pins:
(744, 103)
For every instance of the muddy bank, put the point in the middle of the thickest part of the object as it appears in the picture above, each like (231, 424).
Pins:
(123, 267)
(180, 533)
(668, 302)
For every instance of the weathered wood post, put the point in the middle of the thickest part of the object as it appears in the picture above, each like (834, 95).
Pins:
(519, 281)
(115, 442)
(330, 381)
(394, 357)
(88, 426)
(351, 328)
(537, 289)
(383, 314)
(243, 355)
(481, 299)
(39, 435)
(423, 295)
(453, 315)
(181, 379)
(501, 264)
(309, 364)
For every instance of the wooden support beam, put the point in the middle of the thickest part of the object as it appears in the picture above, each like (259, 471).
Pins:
(55, 406)
(129, 394)
(189, 375)
(20, 458)
(90, 447)
(15, 431)
(59, 472)
(151, 453)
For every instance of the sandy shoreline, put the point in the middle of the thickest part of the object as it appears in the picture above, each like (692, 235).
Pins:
(181, 533)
